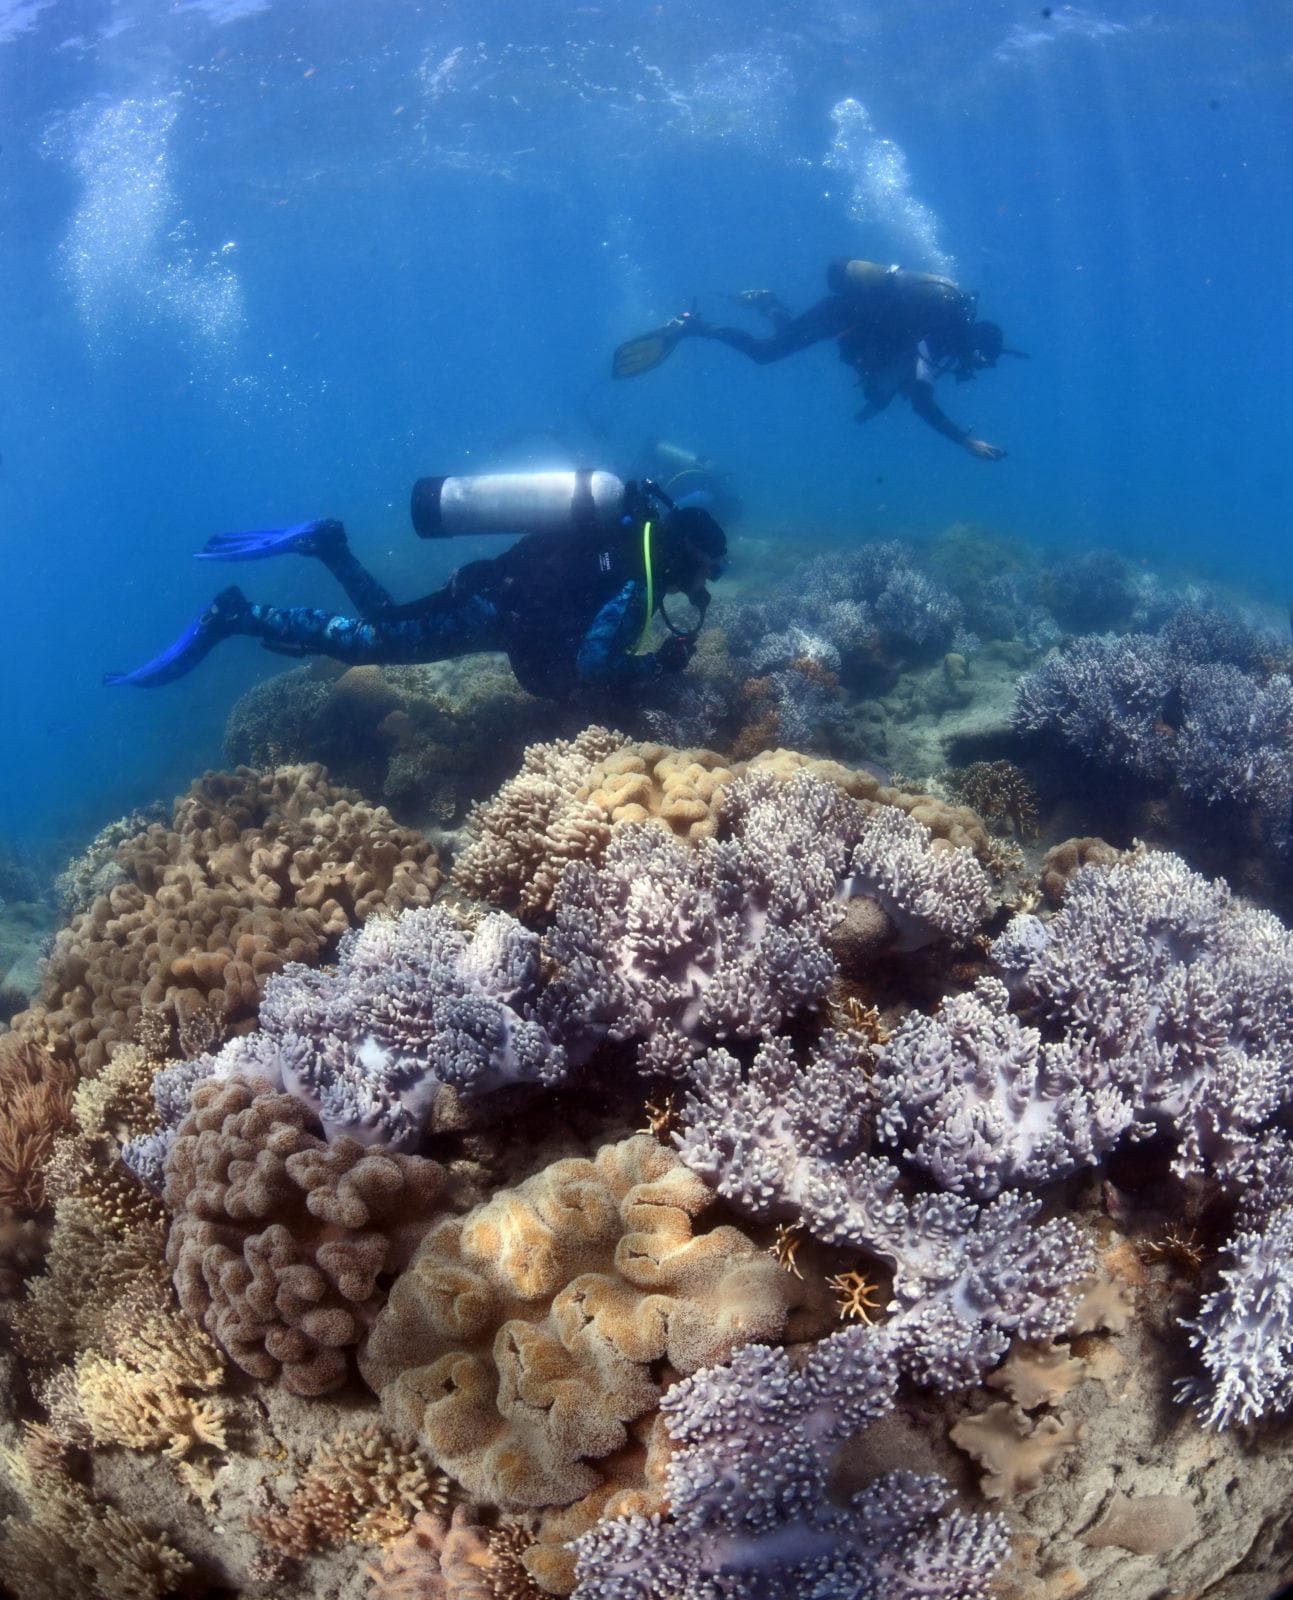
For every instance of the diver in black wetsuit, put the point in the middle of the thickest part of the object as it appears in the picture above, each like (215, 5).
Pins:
(898, 330)
(570, 603)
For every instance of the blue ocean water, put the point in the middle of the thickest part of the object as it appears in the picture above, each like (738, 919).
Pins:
(267, 261)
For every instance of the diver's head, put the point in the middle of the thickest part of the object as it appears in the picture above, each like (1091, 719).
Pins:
(692, 549)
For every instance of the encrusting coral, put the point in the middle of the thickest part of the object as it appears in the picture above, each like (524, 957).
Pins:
(255, 870)
(279, 1241)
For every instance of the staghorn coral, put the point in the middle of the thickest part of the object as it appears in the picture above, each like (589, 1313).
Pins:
(524, 1338)
(678, 947)
(1203, 710)
(72, 1546)
(279, 1242)
(1244, 1329)
(360, 1486)
(413, 1005)
(749, 1515)
(256, 870)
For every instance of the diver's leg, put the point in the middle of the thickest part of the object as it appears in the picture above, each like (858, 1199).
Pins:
(325, 539)
(444, 625)
(329, 544)
(828, 319)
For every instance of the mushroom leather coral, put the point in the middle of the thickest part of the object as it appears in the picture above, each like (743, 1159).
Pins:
(520, 1341)
(279, 1240)
(256, 870)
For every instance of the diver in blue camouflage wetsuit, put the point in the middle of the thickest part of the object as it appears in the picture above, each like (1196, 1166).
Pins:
(570, 610)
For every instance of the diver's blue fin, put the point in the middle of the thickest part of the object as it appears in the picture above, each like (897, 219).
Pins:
(302, 539)
(201, 636)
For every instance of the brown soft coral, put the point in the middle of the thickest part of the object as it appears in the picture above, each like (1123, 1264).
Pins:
(452, 1560)
(279, 1241)
(360, 1486)
(525, 835)
(526, 1336)
(256, 869)
(73, 1546)
(35, 1107)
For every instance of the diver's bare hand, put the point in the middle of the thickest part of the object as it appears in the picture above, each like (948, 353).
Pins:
(984, 450)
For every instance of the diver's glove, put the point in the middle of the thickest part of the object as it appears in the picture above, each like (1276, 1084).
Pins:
(674, 654)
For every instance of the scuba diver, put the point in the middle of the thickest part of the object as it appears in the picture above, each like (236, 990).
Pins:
(898, 330)
(570, 603)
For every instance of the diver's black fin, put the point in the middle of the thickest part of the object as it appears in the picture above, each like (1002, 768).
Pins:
(648, 350)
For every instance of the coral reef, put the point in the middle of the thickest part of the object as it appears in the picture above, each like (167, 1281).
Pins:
(963, 1268)
(425, 740)
(279, 1242)
(256, 870)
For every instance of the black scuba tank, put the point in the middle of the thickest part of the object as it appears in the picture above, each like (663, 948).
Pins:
(517, 502)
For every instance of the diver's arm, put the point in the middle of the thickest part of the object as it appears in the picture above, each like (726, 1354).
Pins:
(921, 395)
(826, 320)
(605, 656)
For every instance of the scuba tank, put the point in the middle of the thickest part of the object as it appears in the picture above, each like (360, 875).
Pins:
(517, 502)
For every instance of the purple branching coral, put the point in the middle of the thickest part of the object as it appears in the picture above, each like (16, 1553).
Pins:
(1244, 1329)
(783, 1139)
(1202, 706)
(1174, 993)
(979, 1102)
(414, 1004)
(1105, 698)
(749, 1515)
(680, 947)
(872, 598)
(1180, 999)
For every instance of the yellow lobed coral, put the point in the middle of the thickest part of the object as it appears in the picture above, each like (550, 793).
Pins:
(525, 1337)
(279, 1242)
(256, 870)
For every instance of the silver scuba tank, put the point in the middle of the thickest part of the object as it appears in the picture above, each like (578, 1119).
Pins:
(516, 502)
